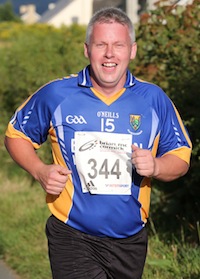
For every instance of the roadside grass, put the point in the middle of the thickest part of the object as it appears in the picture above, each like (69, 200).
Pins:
(23, 214)
(167, 260)
(23, 244)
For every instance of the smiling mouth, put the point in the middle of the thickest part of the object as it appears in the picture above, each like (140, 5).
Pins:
(109, 65)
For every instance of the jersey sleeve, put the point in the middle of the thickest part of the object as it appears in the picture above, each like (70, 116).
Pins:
(174, 137)
(32, 119)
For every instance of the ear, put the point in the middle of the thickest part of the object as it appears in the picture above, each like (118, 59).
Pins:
(133, 51)
(86, 50)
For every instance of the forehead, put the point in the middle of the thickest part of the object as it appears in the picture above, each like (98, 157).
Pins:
(110, 30)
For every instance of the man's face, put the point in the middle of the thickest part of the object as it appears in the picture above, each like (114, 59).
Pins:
(109, 51)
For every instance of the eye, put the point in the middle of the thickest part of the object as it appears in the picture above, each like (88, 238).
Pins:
(100, 45)
(119, 45)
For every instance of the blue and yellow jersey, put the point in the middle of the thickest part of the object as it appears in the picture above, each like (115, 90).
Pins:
(92, 135)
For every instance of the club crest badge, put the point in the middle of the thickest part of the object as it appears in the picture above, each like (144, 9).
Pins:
(135, 121)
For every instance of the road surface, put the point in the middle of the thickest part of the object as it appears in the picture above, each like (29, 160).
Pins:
(6, 272)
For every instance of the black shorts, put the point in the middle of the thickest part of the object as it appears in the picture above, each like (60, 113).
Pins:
(76, 255)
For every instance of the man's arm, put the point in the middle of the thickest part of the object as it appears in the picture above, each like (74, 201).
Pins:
(166, 168)
(53, 178)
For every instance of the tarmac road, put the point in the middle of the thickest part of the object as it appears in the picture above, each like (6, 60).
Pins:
(6, 272)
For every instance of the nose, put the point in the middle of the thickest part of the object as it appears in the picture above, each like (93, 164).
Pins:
(109, 51)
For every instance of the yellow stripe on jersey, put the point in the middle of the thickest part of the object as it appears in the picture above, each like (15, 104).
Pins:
(155, 145)
(108, 100)
(183, 153)
(145, 187)
(57, 153)
(61, 205)
(13, 133)
(144, 198)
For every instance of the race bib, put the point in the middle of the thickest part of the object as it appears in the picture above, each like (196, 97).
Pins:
(103, 161)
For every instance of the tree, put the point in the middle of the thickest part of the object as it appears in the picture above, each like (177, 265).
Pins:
(7, 13)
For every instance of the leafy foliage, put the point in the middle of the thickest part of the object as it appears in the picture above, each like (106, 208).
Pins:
(34, 55)
(168, 54)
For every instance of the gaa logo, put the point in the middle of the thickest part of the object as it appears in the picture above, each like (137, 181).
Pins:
(74, 119)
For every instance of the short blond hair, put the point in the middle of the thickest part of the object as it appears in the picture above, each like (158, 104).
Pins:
(107, 15)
